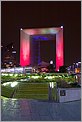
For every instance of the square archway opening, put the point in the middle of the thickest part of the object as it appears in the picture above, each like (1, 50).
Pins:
(31, 37)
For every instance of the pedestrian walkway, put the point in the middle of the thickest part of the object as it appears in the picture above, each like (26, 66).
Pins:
(34, 110)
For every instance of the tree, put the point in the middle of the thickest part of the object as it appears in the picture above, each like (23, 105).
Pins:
(51, 68)
(63, 69)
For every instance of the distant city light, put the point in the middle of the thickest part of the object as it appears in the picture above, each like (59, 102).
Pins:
(61, 26)
(13, 51)
(10, 62)
(76, 77)
(51, 62)
(77, 64)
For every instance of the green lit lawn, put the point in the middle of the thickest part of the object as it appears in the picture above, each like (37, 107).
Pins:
(37, 88)
(6, 91)
(26, 90)
(32, 91)
(32, 96)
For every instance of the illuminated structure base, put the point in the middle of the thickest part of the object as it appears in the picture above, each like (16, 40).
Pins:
(25, 44)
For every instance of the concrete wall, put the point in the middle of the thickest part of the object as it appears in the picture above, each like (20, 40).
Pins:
(69, 94)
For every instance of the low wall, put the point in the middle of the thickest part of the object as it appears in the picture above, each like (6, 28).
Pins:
(69, 94)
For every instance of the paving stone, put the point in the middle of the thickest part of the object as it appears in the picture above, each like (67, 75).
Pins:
(44, 112)
(46, 118)
(25, 112)
(35, 116)
(33, 110)
(25, 118)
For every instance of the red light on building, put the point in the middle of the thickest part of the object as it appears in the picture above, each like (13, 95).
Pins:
(25, 55)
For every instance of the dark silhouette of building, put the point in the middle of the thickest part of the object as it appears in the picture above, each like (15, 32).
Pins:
(9, 57)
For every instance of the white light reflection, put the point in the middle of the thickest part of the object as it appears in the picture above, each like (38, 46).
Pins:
(5, 84)
(14, 84)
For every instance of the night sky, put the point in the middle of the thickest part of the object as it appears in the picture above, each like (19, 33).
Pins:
(42, 14)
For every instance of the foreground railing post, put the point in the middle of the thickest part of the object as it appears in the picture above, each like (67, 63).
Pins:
(55, 91)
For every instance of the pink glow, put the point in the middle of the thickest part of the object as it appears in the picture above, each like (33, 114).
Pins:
(59, 49)
(42, 31)
(25, 53)
(25, 44)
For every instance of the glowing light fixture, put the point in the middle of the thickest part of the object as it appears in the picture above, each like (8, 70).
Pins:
(35, 77)
(16, 75)
(13, 51)
(10, 74)
(52, 84)
(61, 26)
(49, 77)
(51, 62)
(4, 74)
(76, 77)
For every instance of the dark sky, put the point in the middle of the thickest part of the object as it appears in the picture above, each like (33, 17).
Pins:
(31, 14)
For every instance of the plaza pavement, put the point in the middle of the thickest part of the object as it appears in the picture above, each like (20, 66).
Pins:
(34, 110)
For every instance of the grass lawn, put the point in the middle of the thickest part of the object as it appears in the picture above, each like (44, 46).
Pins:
(6, 91)
(37, 91)
(32, 91)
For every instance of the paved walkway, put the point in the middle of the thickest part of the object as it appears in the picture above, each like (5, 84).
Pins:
(34, 110)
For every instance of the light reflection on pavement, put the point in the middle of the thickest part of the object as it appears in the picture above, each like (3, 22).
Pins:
(34, 110)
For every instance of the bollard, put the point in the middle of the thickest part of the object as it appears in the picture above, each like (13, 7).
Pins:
(55, 91)
(49, 93)
(52, 92)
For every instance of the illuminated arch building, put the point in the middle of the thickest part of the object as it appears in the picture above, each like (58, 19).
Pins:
(27, 40)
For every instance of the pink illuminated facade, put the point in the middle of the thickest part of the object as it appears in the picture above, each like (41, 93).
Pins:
(59, 49)
(24, 49)
(25, 52)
